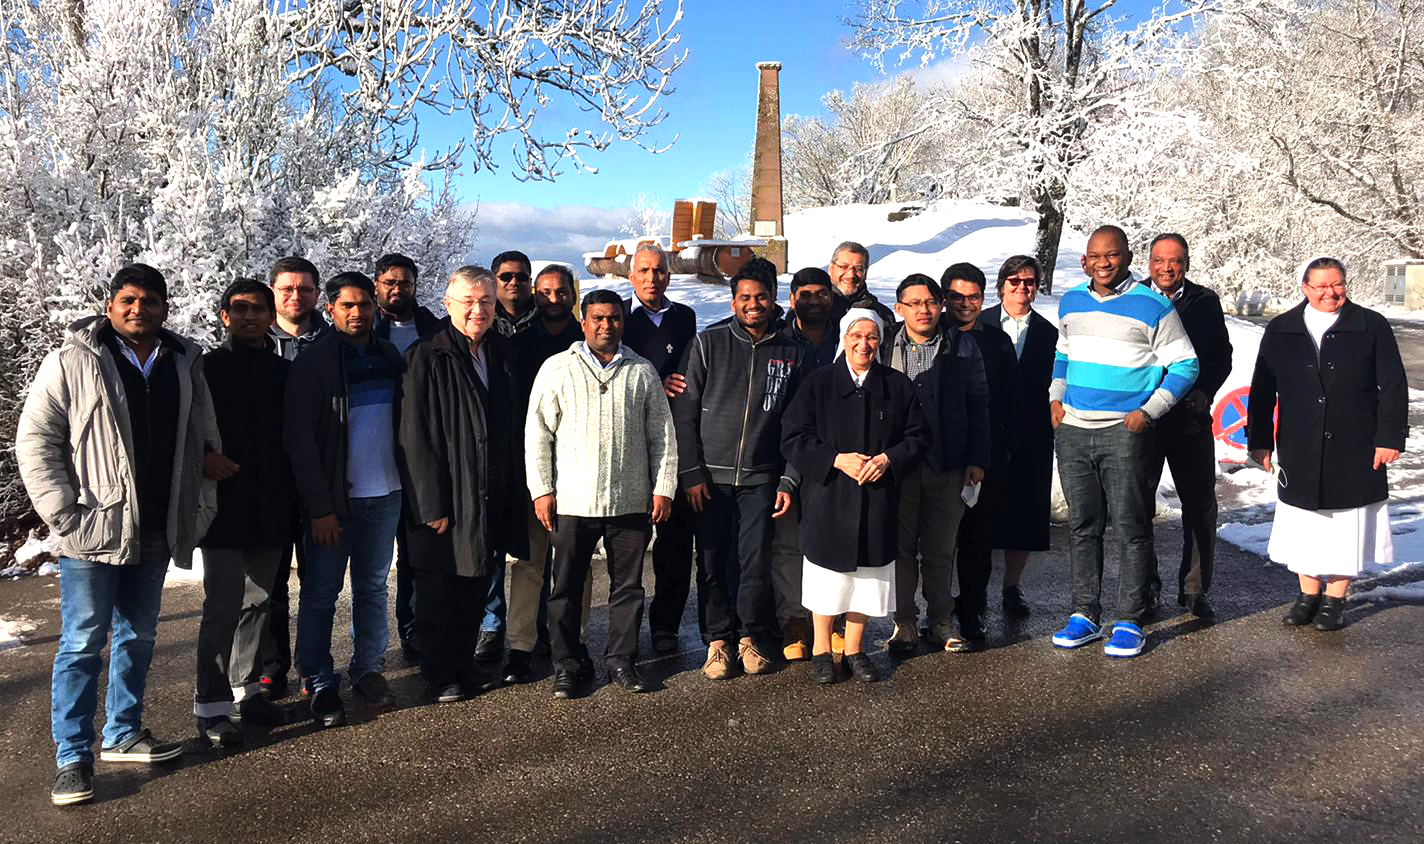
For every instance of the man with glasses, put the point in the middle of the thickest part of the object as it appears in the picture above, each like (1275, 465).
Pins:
(294, 282)
(515, 311)
(404, 323)
(948, 374)
(1123, 361)
(1183, 438)
(849, 264)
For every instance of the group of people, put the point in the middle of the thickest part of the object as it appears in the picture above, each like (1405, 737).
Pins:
(820, 461)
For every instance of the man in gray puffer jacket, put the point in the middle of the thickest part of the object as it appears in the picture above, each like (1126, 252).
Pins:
(112, 446)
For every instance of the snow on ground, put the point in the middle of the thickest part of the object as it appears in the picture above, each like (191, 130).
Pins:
(1412, 593)
(14, 630)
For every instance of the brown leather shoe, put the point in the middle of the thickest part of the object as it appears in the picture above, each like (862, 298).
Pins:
(752, 659)
(719, 662)
(794, 646)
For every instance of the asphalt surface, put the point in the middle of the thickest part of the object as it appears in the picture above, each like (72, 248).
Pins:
(1240, 730)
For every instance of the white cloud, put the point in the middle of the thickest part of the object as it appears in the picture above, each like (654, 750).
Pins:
(562, 233)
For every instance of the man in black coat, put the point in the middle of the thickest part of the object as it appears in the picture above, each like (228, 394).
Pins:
(403, 322)
(849, 264)
(1183, 437)
(462, 468)
(660, 330)
(248, 539)
(964, 286)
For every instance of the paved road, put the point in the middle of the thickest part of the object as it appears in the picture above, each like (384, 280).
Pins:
(1238, 731)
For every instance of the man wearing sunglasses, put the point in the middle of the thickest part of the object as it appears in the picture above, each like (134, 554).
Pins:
(514, 309)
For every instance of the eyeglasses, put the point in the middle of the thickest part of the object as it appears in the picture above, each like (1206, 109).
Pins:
(242, 309)
(1021, 282)
(469, 304)
(1337, 287)
(522, 278)
(402, 284)
(960, 297)
(854, 269)
(289, 292)
(917, 304)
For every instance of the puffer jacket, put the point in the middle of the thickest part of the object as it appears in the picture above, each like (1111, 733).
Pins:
(75, 451)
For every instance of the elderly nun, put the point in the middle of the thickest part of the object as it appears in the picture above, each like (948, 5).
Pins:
(852, 431)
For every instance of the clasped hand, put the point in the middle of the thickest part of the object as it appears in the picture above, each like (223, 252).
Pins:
(862, 469)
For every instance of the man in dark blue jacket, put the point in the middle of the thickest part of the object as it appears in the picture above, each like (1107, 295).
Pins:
(740, 376)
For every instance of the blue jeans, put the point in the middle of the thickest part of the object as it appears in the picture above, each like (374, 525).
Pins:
(1106, 471)
(368, 537)
(495, 607)
(93, 597)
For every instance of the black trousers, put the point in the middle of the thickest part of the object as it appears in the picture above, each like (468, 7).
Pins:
(1191, 455)
(625, 538)
(277, 640)
(974, 560)
(734, 541)
(448, 609)
(405, 584)
(672, 568)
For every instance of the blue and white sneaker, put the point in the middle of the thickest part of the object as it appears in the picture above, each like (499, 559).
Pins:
(1126, 640)
(1079, 631)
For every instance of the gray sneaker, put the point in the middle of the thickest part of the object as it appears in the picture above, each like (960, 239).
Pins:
(373, 689)
(219, 731)
(143, 747)
(74, 784)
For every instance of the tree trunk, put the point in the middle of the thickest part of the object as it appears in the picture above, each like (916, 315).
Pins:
(1050, 230)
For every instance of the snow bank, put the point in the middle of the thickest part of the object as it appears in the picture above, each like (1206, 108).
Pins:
(14, 630)
(1411, 593)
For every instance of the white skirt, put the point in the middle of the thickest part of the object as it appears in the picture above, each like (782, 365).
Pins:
(867, 590)
(1331, 543)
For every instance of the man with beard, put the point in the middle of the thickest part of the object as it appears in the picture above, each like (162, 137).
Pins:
(661, 330)
(515, 311)
(740, 376)
(849, 263)
(404, 323)
(526, 623)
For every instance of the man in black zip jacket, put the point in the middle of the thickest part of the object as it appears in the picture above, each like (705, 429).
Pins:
(740, 377)
(661, 330)
(1183, 437)
(404, 323)
(250, 534)
(340, 434)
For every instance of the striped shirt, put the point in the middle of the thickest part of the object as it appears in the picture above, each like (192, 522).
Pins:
(371, 436)
(1119, 353)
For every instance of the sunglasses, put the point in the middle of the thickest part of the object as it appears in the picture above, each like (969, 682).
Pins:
(522, 278)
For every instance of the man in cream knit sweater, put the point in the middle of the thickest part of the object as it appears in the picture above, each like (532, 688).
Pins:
(601, 460)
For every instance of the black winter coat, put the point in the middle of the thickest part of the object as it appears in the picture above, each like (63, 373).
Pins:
(1200, 311)
(255, 505)
(1334, 412)
(1001, 370)
(461, 453)
(845, 525)
(958, 435)
(1030, 469)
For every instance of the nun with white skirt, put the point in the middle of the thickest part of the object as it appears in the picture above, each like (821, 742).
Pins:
(852, 431)
(1334, 367)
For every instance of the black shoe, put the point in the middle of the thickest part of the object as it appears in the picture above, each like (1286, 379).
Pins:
(373, 689)
(476, 680)
(1331, 615)
(664, 643)
(966, 642)
(823, 668)
(566, 679)
(326, 708)
(409, 652)
(1303, 610)
(585, 669)
(144, 747)
(219, 731)
(516, 667)
(861, 668)
(274, 686)
(73, 784)
(259, 710)
(1197, 605)
(448, 693)
(490, 645)
(1014, 604)
(627, 677)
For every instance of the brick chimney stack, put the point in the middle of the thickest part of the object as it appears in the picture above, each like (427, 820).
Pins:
(766, 165)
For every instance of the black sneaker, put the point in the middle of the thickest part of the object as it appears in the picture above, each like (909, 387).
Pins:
(823, 669)
(274, 686)
(144, 748)
(259, 710)
(219, 731)
(490, 645)
(73, 784)
(373, 689)
(326, 708)
(448, 693)
(861, 668)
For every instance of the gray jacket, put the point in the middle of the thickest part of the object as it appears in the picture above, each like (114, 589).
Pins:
(75, 452)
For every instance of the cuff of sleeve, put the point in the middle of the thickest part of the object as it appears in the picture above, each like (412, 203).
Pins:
(1056, 390)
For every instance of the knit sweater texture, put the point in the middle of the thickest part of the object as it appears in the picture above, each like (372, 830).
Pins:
(601, 440)
(1119, 353)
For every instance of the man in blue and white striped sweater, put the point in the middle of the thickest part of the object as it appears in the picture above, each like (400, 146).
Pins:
(1123, 360)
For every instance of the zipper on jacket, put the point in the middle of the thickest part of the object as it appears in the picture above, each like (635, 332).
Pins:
(746, 416)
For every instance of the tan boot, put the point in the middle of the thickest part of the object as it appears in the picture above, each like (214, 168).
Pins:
(794, 646)
(837, 646)
(719, 661)
(752, 659)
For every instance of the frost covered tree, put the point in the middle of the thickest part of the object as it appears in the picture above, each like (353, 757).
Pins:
(209, 137)
(732, 191)
(646, 219)
(1044, 78)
